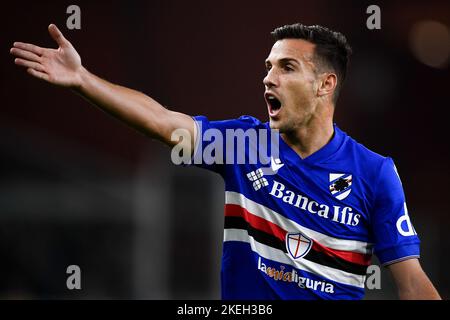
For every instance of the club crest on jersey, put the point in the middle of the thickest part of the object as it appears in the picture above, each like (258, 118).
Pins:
(340, 185)
(297, 244)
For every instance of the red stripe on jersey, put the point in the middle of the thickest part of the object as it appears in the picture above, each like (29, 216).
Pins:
(354, 257)
(234, 210)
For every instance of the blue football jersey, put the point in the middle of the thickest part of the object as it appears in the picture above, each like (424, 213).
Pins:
(306, 228)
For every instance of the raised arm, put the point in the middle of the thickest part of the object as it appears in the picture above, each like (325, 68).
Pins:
(412, 282)
(63, 67)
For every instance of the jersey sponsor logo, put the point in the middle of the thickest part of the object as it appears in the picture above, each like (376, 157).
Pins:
(343, 215)
(297, 244)
(281, 274)
(404, 225)
(340, 185)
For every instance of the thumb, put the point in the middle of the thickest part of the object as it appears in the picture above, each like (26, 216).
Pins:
(57, 35)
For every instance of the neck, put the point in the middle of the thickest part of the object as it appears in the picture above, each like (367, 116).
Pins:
(309, 138)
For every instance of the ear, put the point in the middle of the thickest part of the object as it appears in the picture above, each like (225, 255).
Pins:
(327, 84)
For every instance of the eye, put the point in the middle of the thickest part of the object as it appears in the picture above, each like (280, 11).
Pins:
(288, 67)
(268, 67)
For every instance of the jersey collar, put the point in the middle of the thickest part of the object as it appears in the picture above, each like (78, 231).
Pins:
(323, 153)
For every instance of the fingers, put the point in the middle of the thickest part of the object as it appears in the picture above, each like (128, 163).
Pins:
(38, 74)
(27, 55)
(29, 47)
(29, 64)
(33, 68)
(57, 35)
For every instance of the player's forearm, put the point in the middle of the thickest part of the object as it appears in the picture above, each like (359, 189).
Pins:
(417, 287)
(130, 106)
(421, 290)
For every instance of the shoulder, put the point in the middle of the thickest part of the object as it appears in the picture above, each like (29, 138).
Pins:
(362, 152)
(376, 173)
(365, 161)
(243, 122)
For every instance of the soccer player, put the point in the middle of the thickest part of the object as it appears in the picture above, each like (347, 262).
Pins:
(305, 225)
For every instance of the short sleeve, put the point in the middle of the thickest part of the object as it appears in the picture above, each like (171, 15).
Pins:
(394, 235)
(211, 150)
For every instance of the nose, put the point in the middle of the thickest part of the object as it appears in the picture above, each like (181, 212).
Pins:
(271, 79)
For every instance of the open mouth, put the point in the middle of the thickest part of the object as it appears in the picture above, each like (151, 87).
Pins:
(274, 104)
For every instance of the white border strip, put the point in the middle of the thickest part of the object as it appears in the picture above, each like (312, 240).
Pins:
(291, 226)
(277, 255)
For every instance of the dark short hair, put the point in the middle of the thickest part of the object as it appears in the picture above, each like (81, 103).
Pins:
(332, 50)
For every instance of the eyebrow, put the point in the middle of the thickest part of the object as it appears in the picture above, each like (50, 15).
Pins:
(284, 61)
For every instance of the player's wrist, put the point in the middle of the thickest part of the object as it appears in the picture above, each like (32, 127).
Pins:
(81, 78)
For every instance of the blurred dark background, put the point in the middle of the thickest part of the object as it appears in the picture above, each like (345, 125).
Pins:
(78, 187)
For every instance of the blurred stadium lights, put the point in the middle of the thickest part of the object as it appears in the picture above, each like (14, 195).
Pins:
(430, 43)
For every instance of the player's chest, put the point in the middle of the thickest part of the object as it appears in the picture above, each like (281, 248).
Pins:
(329, 198)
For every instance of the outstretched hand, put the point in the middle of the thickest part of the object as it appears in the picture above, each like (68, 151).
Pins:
(60, 66)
